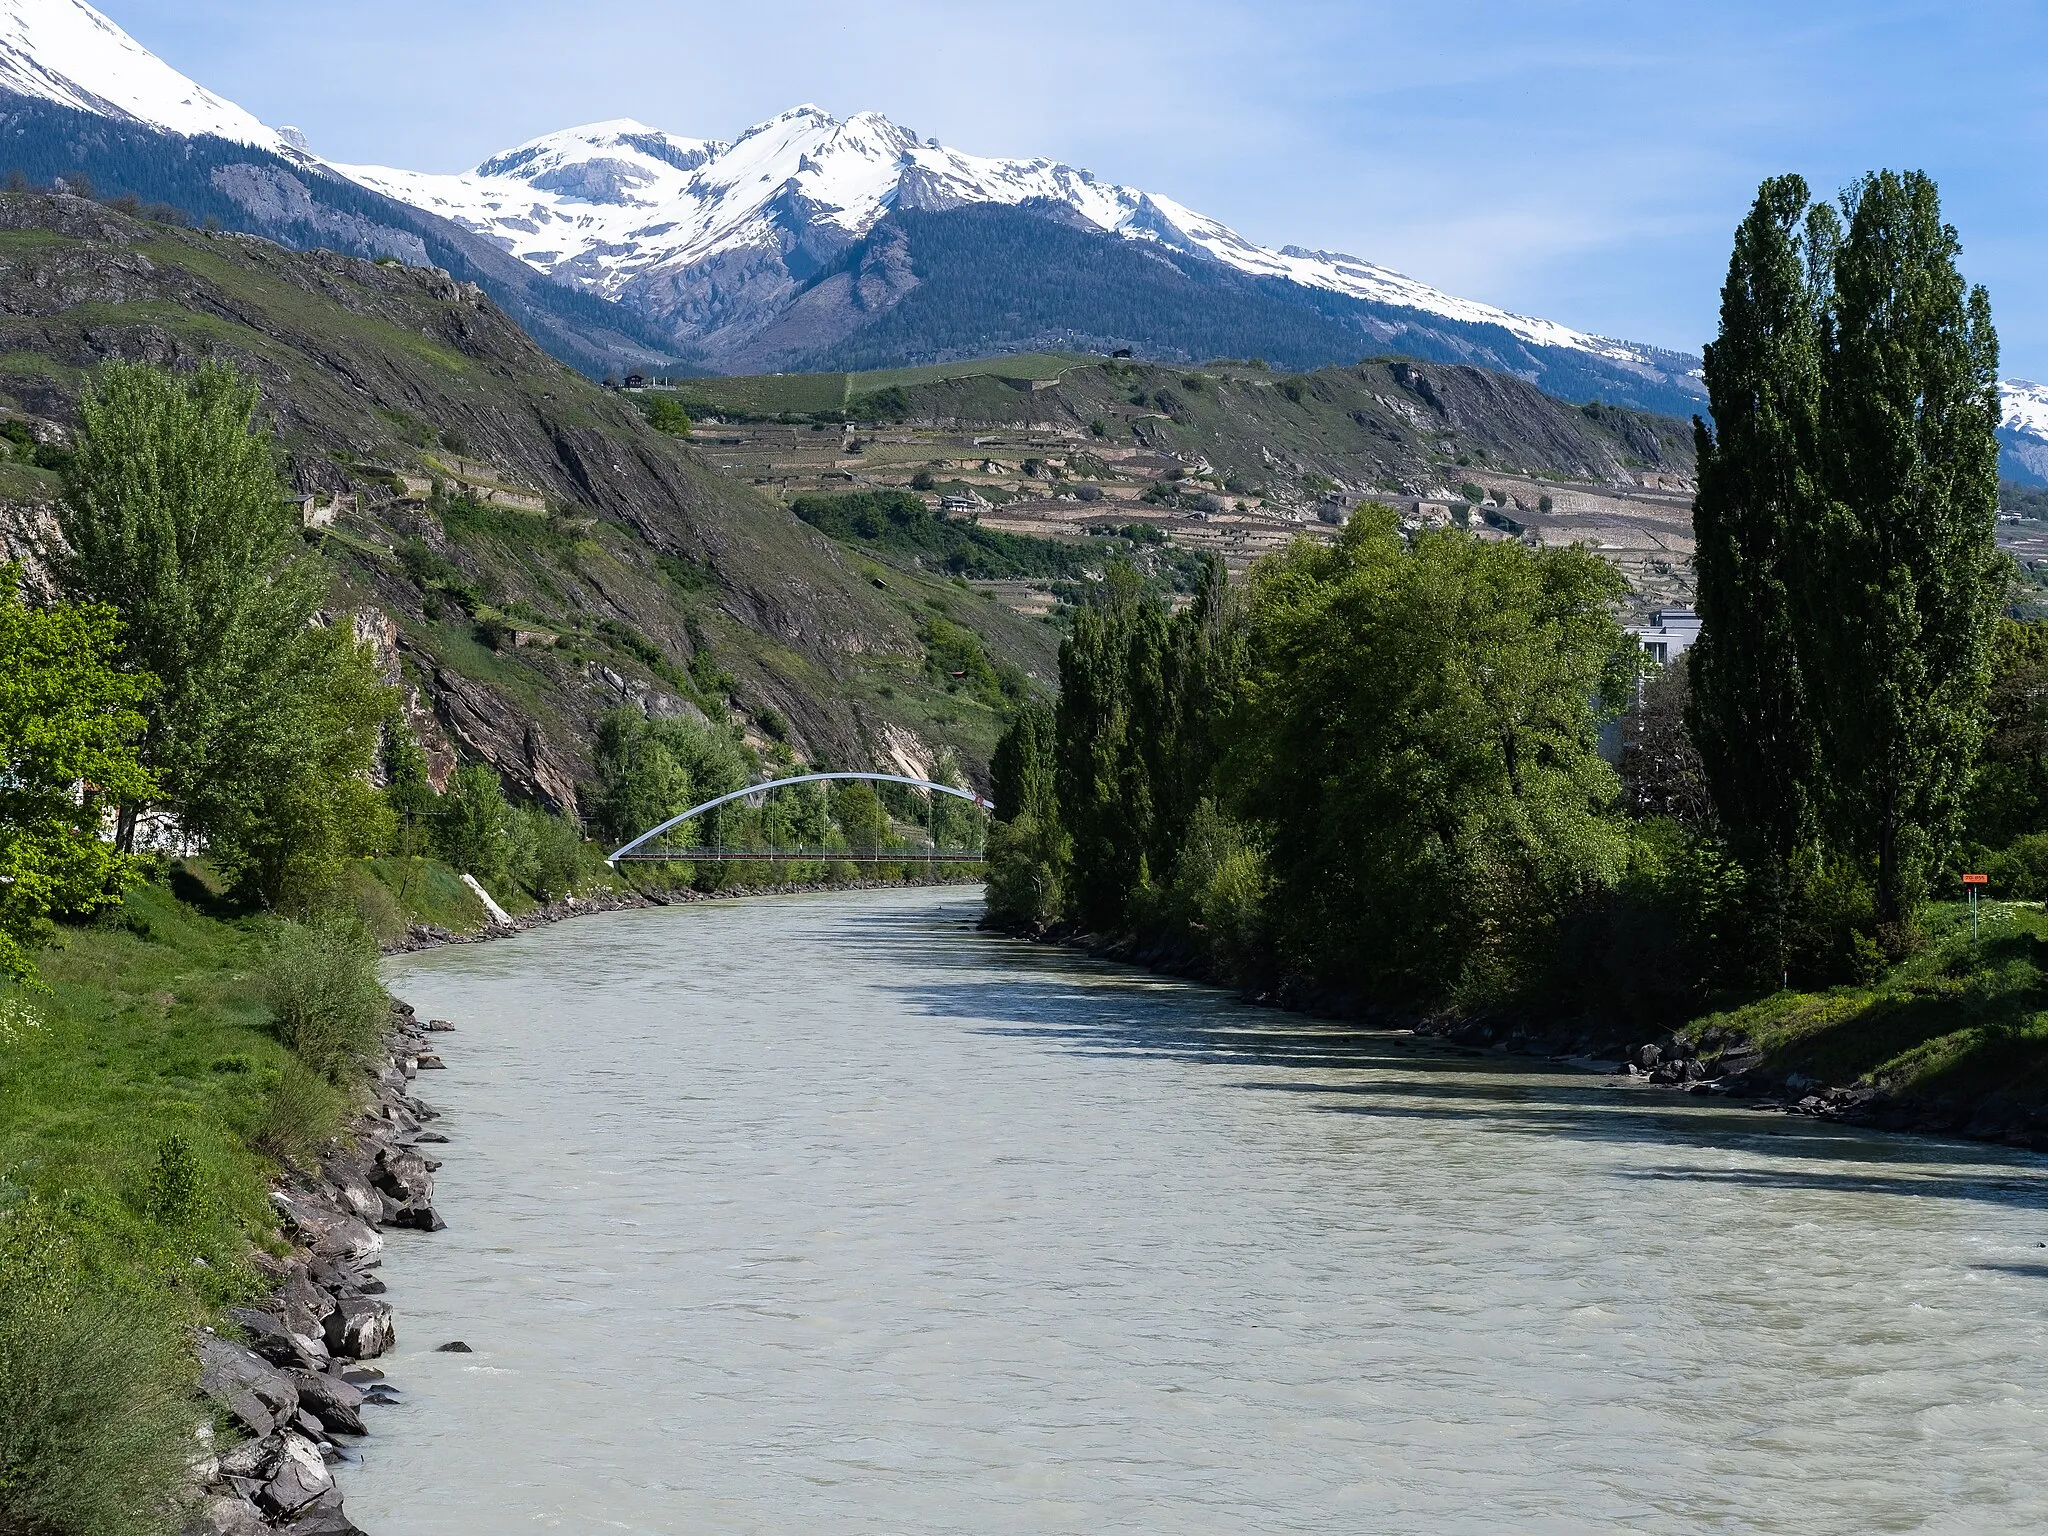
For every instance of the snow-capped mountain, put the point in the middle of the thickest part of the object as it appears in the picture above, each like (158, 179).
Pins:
(66, 52)
(610, 203)
(2023, 431)
(773, 247)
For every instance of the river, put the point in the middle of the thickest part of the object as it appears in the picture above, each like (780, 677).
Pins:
(827, 1214)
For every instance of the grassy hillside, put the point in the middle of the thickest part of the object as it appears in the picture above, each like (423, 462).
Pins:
(573, 558)
(1386, 423)
(930, 286)
(805, 394)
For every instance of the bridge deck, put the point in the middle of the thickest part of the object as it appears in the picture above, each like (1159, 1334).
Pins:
(809, 856)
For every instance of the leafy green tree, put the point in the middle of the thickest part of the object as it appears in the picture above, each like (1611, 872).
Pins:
(1181, 722)
(546, 852)
(1021, 768)
(408, 786)
(1903, 585)
(174, 514)
(863, 821)
(474, 829)
(304, 765)
(1749, 714)
(1418, 749)
(1110, 661)
(664, 414)
(639, 782)
(2009, 792)
(648, 770)
(67, 718)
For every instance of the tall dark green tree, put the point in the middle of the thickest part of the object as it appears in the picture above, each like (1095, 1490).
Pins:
(1021, 768)
(1179, 728)
(1903, 583)
(1748, 713)
(1108, 666)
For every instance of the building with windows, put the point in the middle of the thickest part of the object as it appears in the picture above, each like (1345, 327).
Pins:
(1669, 634)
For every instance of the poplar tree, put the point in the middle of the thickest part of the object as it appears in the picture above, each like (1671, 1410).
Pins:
(1109, 681)
(1748, 713)
(1903, 582)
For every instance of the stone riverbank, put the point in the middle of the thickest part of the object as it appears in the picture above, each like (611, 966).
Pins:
(299, 1381)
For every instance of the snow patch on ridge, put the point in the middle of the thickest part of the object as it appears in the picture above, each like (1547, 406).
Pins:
(658, 202)
(66, 52)
(2023, 407)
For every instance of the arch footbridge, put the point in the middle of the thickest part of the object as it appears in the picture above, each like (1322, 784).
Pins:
(639, 848)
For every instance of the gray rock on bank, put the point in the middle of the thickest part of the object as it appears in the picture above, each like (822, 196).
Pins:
(296, 1377)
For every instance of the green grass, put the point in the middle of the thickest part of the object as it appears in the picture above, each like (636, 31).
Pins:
(1964, 1019)
(802, 394)
(154, 1026)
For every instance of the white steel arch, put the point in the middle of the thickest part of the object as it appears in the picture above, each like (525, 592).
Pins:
(802, 778)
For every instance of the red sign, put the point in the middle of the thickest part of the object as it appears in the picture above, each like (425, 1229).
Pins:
(1976, 879)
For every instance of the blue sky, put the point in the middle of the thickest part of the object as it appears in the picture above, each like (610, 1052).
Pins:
(1583, 160)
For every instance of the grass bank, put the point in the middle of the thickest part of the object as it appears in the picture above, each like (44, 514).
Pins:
(1959, 1029)
(175, 1055)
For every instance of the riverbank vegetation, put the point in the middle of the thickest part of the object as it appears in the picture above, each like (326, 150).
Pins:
(1373, 776)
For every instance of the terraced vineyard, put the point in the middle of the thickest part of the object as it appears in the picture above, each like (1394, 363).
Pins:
(1229, 458)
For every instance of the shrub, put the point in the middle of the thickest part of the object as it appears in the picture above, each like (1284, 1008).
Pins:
(302, 1110)
(321, 977)
(95, 1416)
(547, 853)
(1027, 863)
(176, 1196)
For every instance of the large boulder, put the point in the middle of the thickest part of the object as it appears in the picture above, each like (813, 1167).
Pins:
(304, 1307)
(360, 1328)
(300, 1478)
(403, 1175)
(419, 1216)
(280, 1345)
(228, 1516)
(250, 1387)
(324, 1517)
(333, 1402)
(326, 1230)
(350, 1178)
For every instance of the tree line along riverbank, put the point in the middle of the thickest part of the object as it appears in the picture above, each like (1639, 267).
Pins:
(183, 1038)
(1431, 779)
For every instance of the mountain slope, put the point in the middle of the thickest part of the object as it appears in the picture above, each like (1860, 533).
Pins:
(301, 204)
(928, 287)
(595, 561)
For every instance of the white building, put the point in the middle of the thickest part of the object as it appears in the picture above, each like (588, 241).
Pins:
(1669, 634)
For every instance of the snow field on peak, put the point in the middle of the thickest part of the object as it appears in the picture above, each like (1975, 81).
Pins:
(2023, 407)
(635, 212)
(66, 52)
(605, 203)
